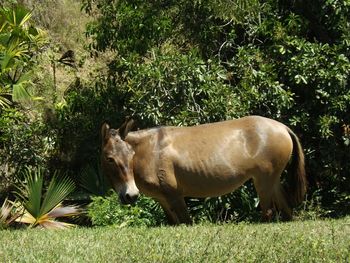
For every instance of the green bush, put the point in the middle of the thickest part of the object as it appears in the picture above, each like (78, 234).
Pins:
(76, 123)
(105, 211)
(236, 206)
(24, 142)
(173, 88)
(20, 43)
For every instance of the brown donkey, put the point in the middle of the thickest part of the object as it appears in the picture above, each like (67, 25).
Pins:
(170, 163)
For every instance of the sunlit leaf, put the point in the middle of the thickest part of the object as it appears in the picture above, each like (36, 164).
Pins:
(5, 211)
(63, 211)
(52, 224)
(8, 213)
(4, 102)
(26, 218)
(19, 92)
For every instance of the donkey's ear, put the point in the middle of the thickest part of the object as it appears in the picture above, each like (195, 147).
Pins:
(125, 128)
(104, 131)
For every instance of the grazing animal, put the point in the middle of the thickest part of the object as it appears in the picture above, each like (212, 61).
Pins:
(170, 163)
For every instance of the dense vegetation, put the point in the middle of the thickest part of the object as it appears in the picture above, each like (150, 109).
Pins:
(174, 63)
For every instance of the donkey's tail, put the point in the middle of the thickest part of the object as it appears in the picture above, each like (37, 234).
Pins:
(296, 182)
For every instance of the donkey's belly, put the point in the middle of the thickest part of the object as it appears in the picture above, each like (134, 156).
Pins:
(209, 183)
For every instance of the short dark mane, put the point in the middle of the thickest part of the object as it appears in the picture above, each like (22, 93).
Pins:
(113, 132)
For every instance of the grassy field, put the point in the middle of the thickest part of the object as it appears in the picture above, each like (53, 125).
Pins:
(309, 241)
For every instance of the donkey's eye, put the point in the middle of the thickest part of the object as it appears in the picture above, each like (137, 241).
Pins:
(110, 160)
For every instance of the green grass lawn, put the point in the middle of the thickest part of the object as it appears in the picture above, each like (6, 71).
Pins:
(309, 241)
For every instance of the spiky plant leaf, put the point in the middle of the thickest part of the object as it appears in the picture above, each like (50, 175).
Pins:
(16, 17)
(58, 190)
(92, 180)
(52, 224)
(8, 213)
(26, 218)
(30, 192)
(4, 102)
(5, 211)
(39, 209)
(63, 211)
(19, 92)
(14, 51)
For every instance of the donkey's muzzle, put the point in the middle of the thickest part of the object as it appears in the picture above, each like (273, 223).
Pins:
(128, 199)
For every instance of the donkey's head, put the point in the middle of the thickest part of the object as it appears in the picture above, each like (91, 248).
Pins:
(117, 161)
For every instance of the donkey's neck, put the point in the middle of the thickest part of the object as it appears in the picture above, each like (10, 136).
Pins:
(137, 138)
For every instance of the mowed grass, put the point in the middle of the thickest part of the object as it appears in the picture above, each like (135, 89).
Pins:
(309, 241)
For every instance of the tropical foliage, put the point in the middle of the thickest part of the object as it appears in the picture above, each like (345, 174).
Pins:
(41, 209)
(20, 42)
(7, 214)
(107, 210)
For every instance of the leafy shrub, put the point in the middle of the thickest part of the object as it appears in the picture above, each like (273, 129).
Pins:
(236, 206)
(105, 211)
(20, 42)
(24, 142)
(171, 88)
(76, 123)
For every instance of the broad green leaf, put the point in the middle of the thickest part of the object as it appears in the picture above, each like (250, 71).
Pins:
(33, 192)
(19, 92)
(58, 190)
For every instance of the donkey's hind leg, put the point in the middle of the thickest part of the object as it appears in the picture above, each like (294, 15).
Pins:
(272, 197)
(264, 188)
(279, 198)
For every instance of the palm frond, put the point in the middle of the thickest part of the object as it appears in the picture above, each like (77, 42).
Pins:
(22, 16)
(63, 211)
(41, 210)
(3, 23)
(14, 50)
(4, 102)
(5, 211)
(16, 17)
(26, 218)
(8, 213)
(52, 224)
(92, 180)
(19, 92)
(30, 193)
(57, 191)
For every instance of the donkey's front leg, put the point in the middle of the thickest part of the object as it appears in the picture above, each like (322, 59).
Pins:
(178, 209)
(172, 200)
(170, 216)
